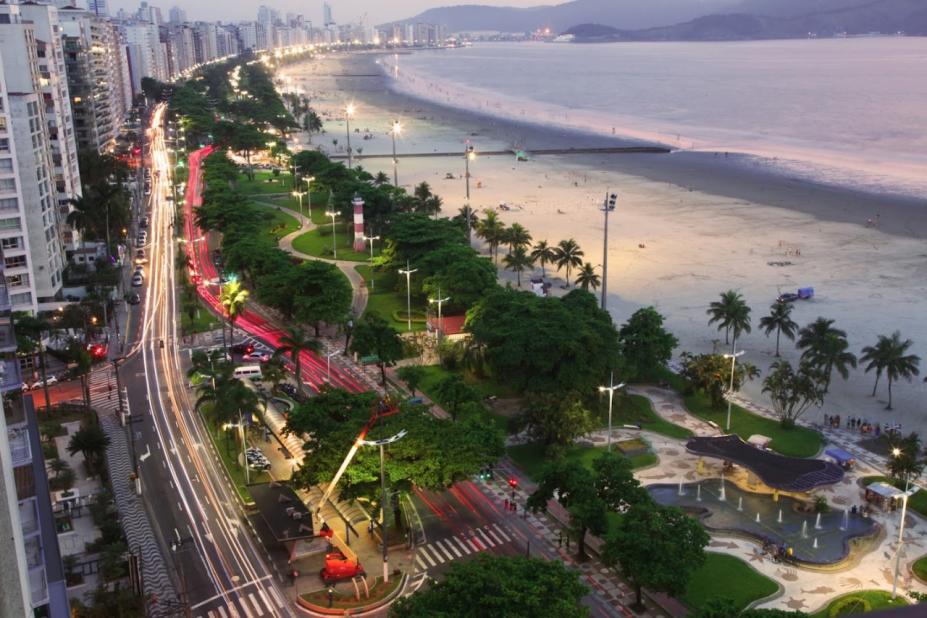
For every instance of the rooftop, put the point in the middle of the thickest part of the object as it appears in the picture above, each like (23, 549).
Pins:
(283, 512)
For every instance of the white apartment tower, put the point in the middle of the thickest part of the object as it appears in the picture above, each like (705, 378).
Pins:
(147, 54)
(177, 15)
(30, 222)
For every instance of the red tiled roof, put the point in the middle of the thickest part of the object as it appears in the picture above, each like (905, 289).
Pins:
(450, 324)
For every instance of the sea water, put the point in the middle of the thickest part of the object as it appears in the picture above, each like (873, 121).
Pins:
(844, 111)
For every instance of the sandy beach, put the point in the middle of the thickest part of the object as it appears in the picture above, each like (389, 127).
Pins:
(687, 226)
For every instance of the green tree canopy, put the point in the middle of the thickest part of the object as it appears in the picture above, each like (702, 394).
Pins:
(556, 419)
(373, 336)
(503, 586)
(645, 345)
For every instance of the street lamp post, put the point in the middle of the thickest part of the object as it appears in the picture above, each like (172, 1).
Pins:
(730, 391)
(333, 214)
(408, 273)
(328, 363)
(300, 195)
(896, 452)
(348, 112)
(607, 206)
(396, 130)
(440, 302)
(469, 155)
(384, 506)
(309, 181)
(610, 389)
(370, 240)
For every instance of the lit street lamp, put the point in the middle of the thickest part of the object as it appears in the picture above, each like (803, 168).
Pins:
(440, 302)
(396, 130)
(730, 390)
(333, 214)
(309, 181)
(348, 112)
(385, 501)
(607, 206)
(408, 273)
(896, 452)
(469, 155)
(370, 240)
(300, 195)
(610, 389)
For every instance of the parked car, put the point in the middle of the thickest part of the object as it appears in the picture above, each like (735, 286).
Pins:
(134, 298)
(261, 357)
(137, 280)
(50, 381)
(256, 459)
(143, 222)
(788, 297)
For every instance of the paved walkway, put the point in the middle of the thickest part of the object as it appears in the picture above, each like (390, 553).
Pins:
(800, 588)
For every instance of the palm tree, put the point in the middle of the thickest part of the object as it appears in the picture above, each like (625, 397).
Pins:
(825, 347)
(568, 255)
(779, 320)
(543, 254)
(518, 261)
(467, 217)
(233, 297)
(587, 278)
(890, 355)
(294, 342)
(517, 236)
(91, 443)
(491, 230)
(731, 313)
(381, 179)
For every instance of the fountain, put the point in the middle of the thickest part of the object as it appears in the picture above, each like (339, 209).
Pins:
(682, 491)
(817, 522)
(722, 495)
(753, 514)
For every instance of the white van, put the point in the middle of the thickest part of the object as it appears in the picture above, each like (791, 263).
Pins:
(251, 372)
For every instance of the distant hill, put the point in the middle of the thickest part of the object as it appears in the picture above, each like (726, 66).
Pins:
(625, 14)
(885, 16)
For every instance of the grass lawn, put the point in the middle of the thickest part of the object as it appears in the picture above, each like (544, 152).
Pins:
(204, 321)
(265, 182)
(318, 243)
(434, 374)
(918, 500)
(726, 576)
(861, 602)
(385, 302)
(531, 458)
(318, 205)
(638, 409)
(920, 568)
(278, 224)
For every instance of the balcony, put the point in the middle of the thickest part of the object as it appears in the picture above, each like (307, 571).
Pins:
(11, 377)
(20, 449)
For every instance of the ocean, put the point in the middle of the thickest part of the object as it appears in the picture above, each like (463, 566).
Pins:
(850, 112)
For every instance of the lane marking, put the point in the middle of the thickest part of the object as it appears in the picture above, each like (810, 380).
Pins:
(502, 532)
(453, 549)
(485, 538)
(493, 535)
(444, 551)
(464, 546)
(424, 553)
(418, 560)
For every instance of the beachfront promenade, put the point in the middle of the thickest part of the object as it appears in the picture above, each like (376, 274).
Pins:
(534, 152)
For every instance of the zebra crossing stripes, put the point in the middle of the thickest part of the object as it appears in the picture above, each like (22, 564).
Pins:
(254, 601)
(451, 548)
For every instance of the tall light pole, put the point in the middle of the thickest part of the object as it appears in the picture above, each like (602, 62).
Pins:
(348, 112)
(333, 214)
(384, 506)
(408, 273)
(730, 391)
(396, 130)
(370, 240)
(440, 302)
(309, 181)
(896, 452)
(469, 155)
(610, 389)
(300, 195)
(607, 206)
(328, 363)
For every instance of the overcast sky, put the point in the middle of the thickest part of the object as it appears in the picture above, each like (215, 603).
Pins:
(343, 11)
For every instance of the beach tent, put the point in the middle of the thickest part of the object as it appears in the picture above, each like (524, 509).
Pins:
(840, 457)
(805, 293)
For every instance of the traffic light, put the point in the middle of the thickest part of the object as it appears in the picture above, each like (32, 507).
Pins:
(513, 483)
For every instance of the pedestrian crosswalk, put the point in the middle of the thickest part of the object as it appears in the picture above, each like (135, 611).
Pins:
(103, 393)
(473, 541)
(253, 601)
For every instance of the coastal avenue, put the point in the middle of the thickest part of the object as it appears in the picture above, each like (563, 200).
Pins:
(195, 513)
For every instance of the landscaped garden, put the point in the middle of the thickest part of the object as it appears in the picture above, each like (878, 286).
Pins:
(265, 182)
(532, 458)
(319, 243)
(342, 601)
(724, 576)
(860, 602)
(390, 305)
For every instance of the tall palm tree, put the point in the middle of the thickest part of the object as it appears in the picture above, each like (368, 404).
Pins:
(517, 236)
(779, 320)
(587, 278)
(543, 254)
(294, 342)
(233, 297)
(731, 313)
(890, 355)
(518, 261)
(492, 231)
(568, 256)
(825, 347)
(381, 179)
(91, 442)
(469, 218)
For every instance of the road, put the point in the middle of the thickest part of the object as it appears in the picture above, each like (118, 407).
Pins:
(194, 512)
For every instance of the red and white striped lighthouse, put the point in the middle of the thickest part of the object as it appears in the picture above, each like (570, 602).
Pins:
(358, 204)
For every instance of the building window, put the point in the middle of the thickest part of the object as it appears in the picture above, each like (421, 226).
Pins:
(21, 299)
(7, 184)
(6, 164)
(18, 261)
(16, 281)
(4, 141)
(15, 242)
(12, 223)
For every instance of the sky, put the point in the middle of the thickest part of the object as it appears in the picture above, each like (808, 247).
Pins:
(343, 11)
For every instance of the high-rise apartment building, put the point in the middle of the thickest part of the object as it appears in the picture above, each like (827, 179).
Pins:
(94, 64)
(98, 8)
(30, 219)
(327, 20)
(146, 53)
(177, 15)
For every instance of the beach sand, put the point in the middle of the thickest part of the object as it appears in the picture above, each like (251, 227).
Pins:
(687, 225)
